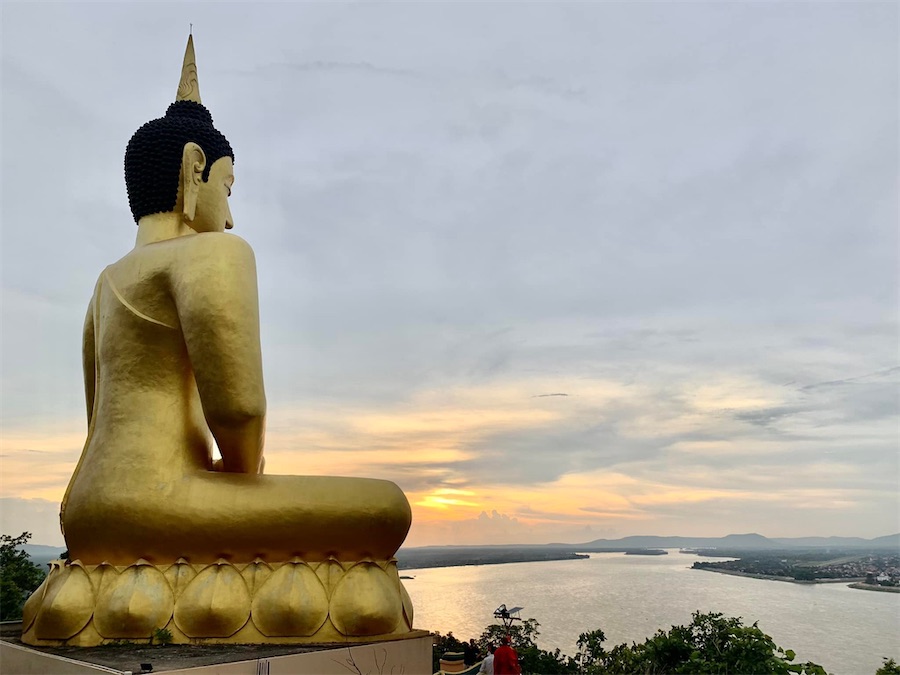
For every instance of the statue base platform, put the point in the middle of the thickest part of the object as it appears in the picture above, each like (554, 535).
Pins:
(411, 655)
(258, 602)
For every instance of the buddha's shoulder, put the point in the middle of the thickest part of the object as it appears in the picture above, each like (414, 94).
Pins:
(201, 250)
(196, 254)
(216, 243)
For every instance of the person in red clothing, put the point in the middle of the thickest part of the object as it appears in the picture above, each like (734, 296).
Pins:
(506, 661)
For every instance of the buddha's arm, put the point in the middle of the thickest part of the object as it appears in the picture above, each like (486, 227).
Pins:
(88, 359)
(214, 287)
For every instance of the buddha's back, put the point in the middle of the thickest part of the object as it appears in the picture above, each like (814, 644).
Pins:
(146, 398)
(146, 425)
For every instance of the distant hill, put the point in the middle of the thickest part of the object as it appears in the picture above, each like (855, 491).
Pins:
(748, 541)
(41, 555)
(887, 541)
(739, 541)
(843, 542)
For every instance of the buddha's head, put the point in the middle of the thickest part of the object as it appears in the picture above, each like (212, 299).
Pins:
(181, 162)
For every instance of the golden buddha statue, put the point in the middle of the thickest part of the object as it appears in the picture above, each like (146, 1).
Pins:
(159, 535)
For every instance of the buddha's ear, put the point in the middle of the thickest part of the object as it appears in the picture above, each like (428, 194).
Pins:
(193, 162)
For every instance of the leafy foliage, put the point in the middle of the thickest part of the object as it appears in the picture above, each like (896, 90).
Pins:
(711, 644)
(804, 574)
(889, 667)
(161, 636)
(522, 635)
(532, 658)
(19, 577)
(590, 646)
(441, 645)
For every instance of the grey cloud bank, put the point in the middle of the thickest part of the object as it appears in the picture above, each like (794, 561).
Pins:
(683, 216)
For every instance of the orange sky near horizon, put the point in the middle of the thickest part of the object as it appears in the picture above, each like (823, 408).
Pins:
(428, 444)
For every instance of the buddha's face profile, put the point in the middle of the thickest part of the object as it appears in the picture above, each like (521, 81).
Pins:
(212, 213)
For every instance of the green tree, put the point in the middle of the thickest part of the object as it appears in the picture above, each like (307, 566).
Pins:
(19, 577)
(532, 658)
(441, 644)
(710, 644)
(590, 651)
(522, 635)
(804, 574)
(537, 661)
(889, 667)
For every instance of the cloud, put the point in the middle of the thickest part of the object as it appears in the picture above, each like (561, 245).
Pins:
(38, 516)
(498, 528)
(38, 464)
(865, 379)
(569, 283)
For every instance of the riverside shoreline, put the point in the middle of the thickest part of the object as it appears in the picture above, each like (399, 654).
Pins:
(425, 558)
(853, 582)
(863, 586)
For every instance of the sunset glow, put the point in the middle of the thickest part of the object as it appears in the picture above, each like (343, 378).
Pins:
(639, 279)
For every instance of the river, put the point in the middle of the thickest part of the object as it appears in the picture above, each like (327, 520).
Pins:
(630, 597)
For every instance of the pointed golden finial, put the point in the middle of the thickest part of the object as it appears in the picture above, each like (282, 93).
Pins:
(189, 87)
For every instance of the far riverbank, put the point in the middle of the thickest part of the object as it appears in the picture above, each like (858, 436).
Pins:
(853, 582)
(450, 556)
(875, 587)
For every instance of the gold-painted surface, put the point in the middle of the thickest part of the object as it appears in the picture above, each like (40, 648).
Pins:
(33, 604)
(172, 365)
(292, 601)
(102, 576)
(330, 573)
(255, 575)
(288, 603)
(67, 605)
(366, 602)
(134, 603)
(189, 86)
(216, 603)
(407, 605)
(180, 575)
(405, 600)
(88, 637)
(172, 361)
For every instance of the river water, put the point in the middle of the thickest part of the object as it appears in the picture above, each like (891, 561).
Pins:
(630, 597)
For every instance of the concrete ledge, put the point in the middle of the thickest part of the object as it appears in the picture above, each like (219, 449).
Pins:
(411, 656)
(25, 661)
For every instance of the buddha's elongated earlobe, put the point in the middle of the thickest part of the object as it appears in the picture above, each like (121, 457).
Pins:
(193, 162)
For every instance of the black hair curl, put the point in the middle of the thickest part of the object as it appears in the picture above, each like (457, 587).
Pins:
(153, 156)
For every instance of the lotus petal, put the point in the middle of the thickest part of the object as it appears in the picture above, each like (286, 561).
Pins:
(365, 602)
(216, 603)
(67, 605)
(134, 603)
(180, 575)
(292, 602)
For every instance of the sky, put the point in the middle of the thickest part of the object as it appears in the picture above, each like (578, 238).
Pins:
(562, 271)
